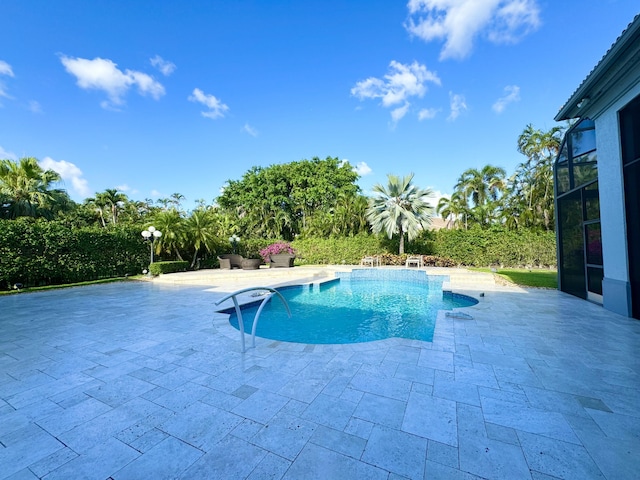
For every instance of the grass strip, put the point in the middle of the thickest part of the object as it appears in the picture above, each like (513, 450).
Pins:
(538, 278)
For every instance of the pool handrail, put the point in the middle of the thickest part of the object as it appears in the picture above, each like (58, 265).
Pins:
(257, 317)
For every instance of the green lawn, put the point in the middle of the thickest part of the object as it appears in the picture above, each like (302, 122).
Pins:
(527, 278)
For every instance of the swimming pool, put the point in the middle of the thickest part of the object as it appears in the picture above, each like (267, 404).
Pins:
(359, 306)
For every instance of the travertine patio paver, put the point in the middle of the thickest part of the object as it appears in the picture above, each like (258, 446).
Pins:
(143, 380)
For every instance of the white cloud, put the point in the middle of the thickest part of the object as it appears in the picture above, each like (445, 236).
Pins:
(398, 113)
(511, 94)
(250, 130)
(3, 91)
(69, 173)
(362, 169)
(402, 82)
(216, 108)
(4, 155)
(34, 106)
(155, 194)
(437, 195)
(164, 66)
(5, 69)
(103, 74)
(460, 22)
(427, 113)
(458, 105)
(126, 189)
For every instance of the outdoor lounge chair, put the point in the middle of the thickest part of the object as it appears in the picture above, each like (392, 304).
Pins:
(373, 261)
(414, 260)
(281, 260)
(230, 260)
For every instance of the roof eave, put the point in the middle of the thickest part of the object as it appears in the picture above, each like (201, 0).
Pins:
(572, 107)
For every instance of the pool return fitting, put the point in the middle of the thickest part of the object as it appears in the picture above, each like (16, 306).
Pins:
(234, 295)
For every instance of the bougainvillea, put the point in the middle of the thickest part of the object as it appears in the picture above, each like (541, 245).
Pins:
(274, 249)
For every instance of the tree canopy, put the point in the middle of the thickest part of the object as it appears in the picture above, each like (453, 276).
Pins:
(27, 190)
(284, 200)
(487, 197)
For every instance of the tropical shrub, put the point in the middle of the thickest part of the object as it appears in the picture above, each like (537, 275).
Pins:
(427, 260)
(158, 268)
(276, 248)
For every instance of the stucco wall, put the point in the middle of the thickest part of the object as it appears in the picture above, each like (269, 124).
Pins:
(616, 290)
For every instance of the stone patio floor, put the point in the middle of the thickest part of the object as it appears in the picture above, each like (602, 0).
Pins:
(142, 380)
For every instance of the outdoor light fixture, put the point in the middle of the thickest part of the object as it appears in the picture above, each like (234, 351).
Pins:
(583, 102)
(233, 240)
(151, 234)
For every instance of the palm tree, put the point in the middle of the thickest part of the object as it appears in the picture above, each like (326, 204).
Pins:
(400, 208)
(350, 214)
(482, 187)
(200, 230)
(536, 144)
(534, 177)
(27, 190)
(112, 201)
(171, 224)
(98, 206)
(454, 210)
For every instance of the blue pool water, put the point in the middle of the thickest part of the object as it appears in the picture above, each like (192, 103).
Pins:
(361, 306)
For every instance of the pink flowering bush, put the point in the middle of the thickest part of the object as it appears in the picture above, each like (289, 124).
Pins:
(276, 248)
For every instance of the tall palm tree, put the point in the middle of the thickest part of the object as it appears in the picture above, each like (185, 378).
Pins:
(113, 200)
(534, 177)
(28, 190)
(399, 208)
(97, 205)
(482, 187)
(454, 210)
(536, 144)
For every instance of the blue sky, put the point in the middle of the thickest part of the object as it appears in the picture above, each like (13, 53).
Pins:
(158, 97)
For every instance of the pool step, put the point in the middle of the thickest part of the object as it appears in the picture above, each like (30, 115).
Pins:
(255, 277)
(471, 280)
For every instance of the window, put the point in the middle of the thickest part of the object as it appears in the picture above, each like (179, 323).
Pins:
(578, 213)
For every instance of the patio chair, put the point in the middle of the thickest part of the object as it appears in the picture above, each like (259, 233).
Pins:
(373, 261)
(281, 260)
(414, 260)
(230, 260)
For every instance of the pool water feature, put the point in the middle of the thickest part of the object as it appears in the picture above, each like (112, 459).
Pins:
(359, 306)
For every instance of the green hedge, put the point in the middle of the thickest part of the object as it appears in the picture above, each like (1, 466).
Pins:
(157, 268)
(497, 246)
(336, 251)
(38, 252)
(474, 247)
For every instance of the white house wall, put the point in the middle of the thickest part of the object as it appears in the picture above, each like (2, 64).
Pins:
(615, 285)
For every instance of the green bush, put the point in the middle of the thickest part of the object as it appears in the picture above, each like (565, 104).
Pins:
(427, 260)
(336, 251)
(39, 252)
(158, 268)
(474, 247)
(497, 246)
